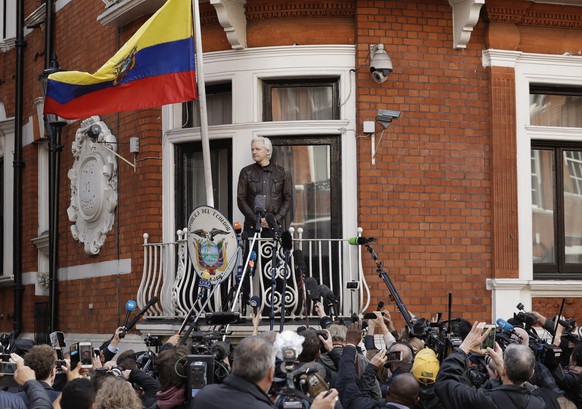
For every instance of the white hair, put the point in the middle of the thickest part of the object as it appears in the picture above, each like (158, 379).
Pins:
(266, 143)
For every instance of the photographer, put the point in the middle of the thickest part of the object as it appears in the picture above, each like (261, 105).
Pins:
(35, 392)
(570, 379)
(516, 367)
(41, 359)
(172, 375)
(252, 374)
(403, 392)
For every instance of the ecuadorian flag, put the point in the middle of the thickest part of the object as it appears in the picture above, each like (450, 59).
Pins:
(155, 67)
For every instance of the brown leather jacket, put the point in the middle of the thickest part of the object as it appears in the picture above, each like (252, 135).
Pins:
(272, 181)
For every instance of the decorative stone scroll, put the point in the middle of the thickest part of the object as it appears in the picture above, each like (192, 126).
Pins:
(93, 184)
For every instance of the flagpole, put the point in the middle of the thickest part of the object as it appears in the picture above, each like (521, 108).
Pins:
(202, 102)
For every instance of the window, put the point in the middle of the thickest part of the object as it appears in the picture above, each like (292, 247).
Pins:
(297, 100)
(556, 218)
(315, 169)
(190, 184)
(218, 105)
(556, 184)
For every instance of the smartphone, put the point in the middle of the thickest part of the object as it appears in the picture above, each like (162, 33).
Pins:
(96, 352)
(8, 368)
(59, 363)
(86, 354)
(489, 342)
(74, 355)
(394, 356)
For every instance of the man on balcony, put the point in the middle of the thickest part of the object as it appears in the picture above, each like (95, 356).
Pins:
(264, 178)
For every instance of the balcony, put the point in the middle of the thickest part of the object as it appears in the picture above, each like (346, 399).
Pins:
(169, 275)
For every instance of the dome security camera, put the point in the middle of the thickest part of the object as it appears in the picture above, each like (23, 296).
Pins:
(380, 63)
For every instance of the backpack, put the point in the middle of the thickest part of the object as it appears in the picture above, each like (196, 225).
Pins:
(504, 401)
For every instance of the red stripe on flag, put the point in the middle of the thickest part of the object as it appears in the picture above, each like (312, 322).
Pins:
(141, 94)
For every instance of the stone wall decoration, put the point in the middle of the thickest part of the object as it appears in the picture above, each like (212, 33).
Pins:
(93, 184)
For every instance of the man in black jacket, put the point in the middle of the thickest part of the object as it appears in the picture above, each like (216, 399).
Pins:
(264, 178)
(516, 367)
(403, 391)
(252, 374)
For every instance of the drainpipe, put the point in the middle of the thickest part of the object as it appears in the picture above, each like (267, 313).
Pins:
(53, 129)
(18, 164)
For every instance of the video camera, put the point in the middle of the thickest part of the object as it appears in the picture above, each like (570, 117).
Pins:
(435, 336)
(301, 381)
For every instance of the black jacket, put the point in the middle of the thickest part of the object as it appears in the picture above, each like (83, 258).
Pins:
(35, 394)
(233, 392)
(454, 393)
(50, 392)
(351, 397)
(272, 181)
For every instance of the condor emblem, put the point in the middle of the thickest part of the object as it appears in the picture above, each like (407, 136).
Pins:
(212, 244)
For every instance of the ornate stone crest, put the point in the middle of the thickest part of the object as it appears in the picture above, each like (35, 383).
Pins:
(93, 184)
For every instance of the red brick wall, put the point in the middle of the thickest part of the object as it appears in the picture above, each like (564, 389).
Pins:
(428, 196)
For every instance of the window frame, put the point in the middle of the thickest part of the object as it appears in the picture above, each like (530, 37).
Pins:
(559, 269)
(269, 84)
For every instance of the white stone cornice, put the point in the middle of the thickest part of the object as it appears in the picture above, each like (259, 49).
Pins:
(500, 58)
(465, 17)
(231, 15)
(556, 289)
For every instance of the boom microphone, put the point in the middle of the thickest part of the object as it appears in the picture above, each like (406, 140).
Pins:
(326, 293)
(129, 306)
(312, 289)
(254, 302)
(131, 323)
(359, 241)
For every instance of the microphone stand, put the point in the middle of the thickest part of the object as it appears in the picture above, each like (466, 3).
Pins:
(284, 291)
(246, 264)
(274, 277)
(194, 324)
(405, 313)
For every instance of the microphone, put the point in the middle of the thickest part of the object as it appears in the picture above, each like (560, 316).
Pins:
(326, 293)
(237, 227)
(273, 224)
(380, 306)
(131, 323)
(359, 241)
(251, 266)
(299, 261)
(129, 306)
(286, 241)
(312, 289)
(254, 302)
(260, 205)
(506, 326)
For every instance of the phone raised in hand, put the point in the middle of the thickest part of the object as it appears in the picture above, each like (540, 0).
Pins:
(489, 342)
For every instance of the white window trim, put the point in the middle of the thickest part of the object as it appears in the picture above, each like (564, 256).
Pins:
(532, 68)
(8, 42)
(246, 69)
(7, 152)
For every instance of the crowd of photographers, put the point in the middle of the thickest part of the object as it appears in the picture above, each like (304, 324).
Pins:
(349, 364)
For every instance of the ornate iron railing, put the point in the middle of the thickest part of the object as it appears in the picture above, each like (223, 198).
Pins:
(169, 275)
